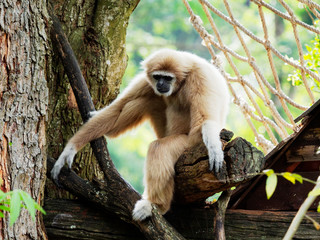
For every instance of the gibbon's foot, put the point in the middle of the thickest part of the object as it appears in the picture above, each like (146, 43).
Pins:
(142, 210)
(93, 113)
(66, 157)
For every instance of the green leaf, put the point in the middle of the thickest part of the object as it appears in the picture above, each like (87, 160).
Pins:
(318, 208)
(268, 172)
(38, 207)
(4, 208)
(289, 177)
(15, 206)
(3, 195)
(298, 177)
(30, 203)
(1, 215)
(271, 184)
(309, 49)
(314, 193)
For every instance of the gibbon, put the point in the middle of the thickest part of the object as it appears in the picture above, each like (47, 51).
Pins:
(185, 98)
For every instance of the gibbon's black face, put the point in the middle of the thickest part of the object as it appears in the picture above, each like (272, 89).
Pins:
(163, 82)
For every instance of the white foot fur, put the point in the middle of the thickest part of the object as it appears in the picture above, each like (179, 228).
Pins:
(66, 157)
(142, 210)
(211, 138)
(93, 113)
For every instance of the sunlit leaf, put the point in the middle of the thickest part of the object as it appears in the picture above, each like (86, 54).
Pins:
(38, 207)
(271, 185)
(298, 177)
(29, 202)
(15, 207)
(289, 177)
(268, 172)
(3, 195)
(4, 208)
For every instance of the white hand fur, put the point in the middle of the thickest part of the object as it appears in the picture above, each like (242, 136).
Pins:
(211, 138)
(66, 157)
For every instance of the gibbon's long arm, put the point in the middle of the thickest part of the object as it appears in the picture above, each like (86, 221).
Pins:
(127, 111)
(208, 111)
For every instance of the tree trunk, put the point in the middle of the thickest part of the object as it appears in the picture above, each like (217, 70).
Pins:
(23, 104)
(96, 31)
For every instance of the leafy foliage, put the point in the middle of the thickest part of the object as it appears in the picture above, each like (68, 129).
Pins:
(271, 183)
(13, 201)
(312, 59)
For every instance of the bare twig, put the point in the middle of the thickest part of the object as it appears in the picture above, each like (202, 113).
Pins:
(301, 213)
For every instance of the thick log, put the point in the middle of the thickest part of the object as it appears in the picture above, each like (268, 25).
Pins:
(195, 182)
(66, 220)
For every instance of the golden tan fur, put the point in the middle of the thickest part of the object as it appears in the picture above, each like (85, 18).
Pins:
(196, 107)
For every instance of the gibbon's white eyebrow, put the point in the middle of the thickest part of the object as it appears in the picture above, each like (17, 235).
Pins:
(163, 73)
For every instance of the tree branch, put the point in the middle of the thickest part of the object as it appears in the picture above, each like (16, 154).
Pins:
(119, 197)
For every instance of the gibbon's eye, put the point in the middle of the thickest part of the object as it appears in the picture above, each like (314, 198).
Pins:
(167, 78)
(157, 77)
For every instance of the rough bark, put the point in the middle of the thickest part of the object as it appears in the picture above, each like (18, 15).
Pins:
(23, 104)
(195, 182)
(66, 220)
(96, 31)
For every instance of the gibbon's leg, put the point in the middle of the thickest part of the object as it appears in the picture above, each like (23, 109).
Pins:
(159, 175)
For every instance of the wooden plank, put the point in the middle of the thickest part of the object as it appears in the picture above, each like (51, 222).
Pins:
(306, 146)
(310, 111)
(70, 220)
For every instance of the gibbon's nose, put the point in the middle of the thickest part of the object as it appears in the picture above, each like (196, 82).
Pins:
(162, 86)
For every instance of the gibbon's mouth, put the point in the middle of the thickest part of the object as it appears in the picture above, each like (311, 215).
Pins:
(163, 90)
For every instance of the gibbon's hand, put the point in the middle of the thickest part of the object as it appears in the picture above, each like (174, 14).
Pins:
(216, 157)
(211, 139)
(66, 157)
